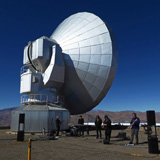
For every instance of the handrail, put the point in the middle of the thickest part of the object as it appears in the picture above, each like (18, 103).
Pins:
(37, 98)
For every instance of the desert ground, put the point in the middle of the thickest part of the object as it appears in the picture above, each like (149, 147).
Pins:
(74, 148)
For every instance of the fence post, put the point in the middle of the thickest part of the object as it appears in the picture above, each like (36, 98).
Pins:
(29, 149)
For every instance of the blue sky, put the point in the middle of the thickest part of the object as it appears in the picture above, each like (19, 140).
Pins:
(135, 23)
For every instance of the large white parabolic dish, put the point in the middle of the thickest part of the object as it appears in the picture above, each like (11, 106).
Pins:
(90, 55)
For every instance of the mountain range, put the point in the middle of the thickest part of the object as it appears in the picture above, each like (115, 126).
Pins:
(119, 116)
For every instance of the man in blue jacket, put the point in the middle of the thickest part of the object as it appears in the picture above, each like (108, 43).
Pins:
(134, 127)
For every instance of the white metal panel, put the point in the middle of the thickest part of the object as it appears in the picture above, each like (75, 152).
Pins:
(94, 69)
(106, 48)
(25, 86)
(106, 59)
(85, 58)
(95, 59)
(74, 57)
(83, 66)
(74, 51)
(105, 38)
(96, 49)
(85, 50)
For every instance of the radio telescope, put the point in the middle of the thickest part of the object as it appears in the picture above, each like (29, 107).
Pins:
(71, 71)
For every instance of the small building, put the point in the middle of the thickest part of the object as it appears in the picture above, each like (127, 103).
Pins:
(38, 117)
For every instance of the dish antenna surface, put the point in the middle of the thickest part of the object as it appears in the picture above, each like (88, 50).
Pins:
(90, 56)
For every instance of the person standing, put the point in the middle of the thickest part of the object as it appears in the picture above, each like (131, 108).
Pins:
(81, 127)
(108, 128)
(58, 124)
(134, 127)
(98, 123)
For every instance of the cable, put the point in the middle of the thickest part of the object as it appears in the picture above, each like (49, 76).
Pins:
(29, 55)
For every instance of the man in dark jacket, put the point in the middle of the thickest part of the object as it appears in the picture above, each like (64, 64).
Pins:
(98, 123)
(134, 127)
(58, 124)
(107, 126)
(81, 127)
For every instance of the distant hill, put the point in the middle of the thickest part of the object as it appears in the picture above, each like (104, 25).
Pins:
(5, 116)
(122, 116)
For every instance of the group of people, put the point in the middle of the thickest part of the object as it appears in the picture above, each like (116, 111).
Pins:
(134, 124)
(107, 127)
(98, 124)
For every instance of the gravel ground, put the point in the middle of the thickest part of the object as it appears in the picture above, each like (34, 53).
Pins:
(74, 148)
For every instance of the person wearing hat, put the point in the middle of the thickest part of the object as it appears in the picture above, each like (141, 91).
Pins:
(107, 127)
(81, 127)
